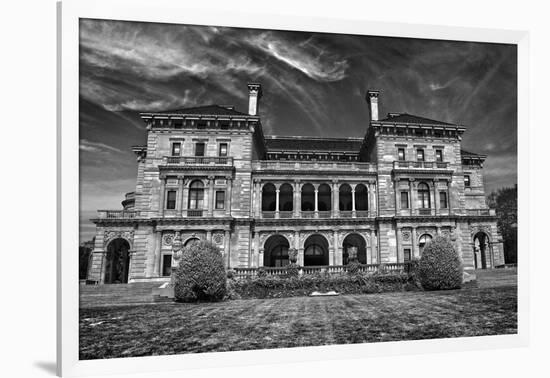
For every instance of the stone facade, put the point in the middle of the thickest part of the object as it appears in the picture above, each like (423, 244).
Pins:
(210, 173)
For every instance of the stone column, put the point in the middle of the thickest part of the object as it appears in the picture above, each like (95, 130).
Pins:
(209, 236)
(158, 255)
(256, 249)
(226, 244)
(336, 199)
(258, 204)
(436, 197)
(332, 257)
(415, 252)
(210, 194)
(412, 185)
(277, 192)
(370, 249)
(228, 197)
(316, 201)
(162, 193)
(353, 201)
(296, 203)
(181, 189)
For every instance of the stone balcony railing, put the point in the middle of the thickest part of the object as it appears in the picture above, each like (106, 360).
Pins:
(296, 165)
(316, 214)
(118, 214)
(224, 161)
(481, 212)
(402, 164)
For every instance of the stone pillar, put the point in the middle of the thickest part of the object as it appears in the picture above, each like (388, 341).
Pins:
(336, 200)
(353, 201)
(296, 193)
(256, 249)
(415, 251)
(412, 185)
(228, 197)
(332, 255)
(162, 193)
(374, 199)
(436, 197)
(316, 201)
(277, 192)
(158, 255)
(226, 244)
(449, 196)
(370, 249)
(181, 196)
(209, 236)
(258, 204)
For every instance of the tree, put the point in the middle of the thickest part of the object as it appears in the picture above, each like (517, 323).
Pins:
(84, 252)
(505, 202)
(440, 267)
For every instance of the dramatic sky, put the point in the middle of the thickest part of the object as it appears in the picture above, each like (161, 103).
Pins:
(313, 84)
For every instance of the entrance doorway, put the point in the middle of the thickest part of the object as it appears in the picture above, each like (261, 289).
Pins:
(117, 262)
(316, 251)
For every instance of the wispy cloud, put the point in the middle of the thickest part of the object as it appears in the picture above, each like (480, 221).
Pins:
(86, 145)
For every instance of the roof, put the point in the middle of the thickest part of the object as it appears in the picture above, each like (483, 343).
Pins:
(205, 110)
(306, 143)
(468, 154)
(412, 119)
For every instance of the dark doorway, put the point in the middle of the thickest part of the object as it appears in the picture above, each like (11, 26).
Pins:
(276, 251)
(117, 262)
(355, 240)
(316, 251)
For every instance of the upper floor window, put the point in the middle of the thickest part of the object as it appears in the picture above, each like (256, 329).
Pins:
(199, 149)
(443, 200)
(220, 199)
(196, 195)
(438, 155)
(423, 196)
(467, 181)
(222, 151)
(420, 154)
(171, 200)
(176, 149)
(202, 124)
(401, 154)
(404, 200)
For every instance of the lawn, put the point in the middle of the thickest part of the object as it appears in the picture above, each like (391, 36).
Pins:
(168, 328)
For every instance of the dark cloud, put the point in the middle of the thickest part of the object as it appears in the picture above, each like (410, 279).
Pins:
(314, 84)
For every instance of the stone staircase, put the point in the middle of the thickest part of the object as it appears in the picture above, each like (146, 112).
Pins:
(120, 294)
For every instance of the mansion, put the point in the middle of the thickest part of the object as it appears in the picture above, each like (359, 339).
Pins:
(210, 173)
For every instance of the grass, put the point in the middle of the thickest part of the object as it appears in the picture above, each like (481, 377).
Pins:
(168, 328)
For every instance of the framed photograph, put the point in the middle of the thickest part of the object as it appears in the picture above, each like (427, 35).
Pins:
(254, 185)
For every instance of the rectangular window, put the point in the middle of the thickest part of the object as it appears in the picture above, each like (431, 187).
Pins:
(443, 200)
(201, 124)
(166, 265)
(223, 149)
(438, 155)
(420, 154)
(199, 149)
(220, 199)
(404, 200)
(401, 154)
(178, 123)
(467, 181)
(171, 199)
(176, 149)
(407, 255)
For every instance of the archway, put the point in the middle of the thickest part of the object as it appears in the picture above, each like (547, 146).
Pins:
(423, 241)
(345, 198)
(276, 251)
(361, 198)
(324, 198)
(268, 197)
(191, 241)
(481, 250)
(308, 197)
(316, 251)
(354, 240)
(117, 261)
(286, 198)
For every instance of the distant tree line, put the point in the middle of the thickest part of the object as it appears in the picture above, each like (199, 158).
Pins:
(84, 253)
(505, 202)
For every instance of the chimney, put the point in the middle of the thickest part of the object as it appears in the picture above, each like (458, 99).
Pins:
(372, 99)
(254, 95)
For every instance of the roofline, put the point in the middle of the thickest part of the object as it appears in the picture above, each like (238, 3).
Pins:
(347, 139)
(430, 125)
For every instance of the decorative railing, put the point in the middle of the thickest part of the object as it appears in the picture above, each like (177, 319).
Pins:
(480, 212)
(316, 214)
(405, 164)
(425, 211)
(198, 160)
(313, 165)
(194, 212)
(307, 214)
(286, 214)
(324, 214)
(361, 213)
(243, 273)
(117, 214)
(346, 214)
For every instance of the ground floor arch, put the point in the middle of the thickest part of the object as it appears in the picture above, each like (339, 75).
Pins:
(482, 257)
(276, 251)
(357, 241)
(117, 261)
(316, 251)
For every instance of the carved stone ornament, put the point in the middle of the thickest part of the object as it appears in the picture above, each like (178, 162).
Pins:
(177, 248)
(218, 238)
(406, 235)
(167, 239)
(111, 235)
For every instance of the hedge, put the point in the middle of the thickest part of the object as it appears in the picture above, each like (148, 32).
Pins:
(440, 267)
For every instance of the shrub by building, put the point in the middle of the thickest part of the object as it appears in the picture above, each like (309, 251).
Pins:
(440, 267)
(201, 274)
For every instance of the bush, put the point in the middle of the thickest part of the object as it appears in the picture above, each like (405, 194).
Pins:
(440, 267)
(201, 274)
(261, 272)
(353, 267)
(292, 270)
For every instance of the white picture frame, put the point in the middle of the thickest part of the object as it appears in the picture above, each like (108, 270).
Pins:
(69, 13)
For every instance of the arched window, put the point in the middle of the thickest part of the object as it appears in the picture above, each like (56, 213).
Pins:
(423, 241)
(308, 198)
(423, 196)
(361, 198)
(324, 198)
(286, 198)
(196, 195)
(268, 197)
(345, 198)
(276, 251)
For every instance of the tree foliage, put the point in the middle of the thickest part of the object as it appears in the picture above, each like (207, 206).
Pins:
(440, 267)
(505, 202)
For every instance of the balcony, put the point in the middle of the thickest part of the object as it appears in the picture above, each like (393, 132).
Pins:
(316, 214)
(200, 161)
(420, 165)
(481, 212)
(117, 214)
(324, 166)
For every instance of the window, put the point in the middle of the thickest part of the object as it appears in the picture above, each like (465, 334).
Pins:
(166, 265)
(178, 123)
(443, 200)
(223, 149)
(438, 155)
(171, 200)
(220, 199)
(420, 154)
(424, 239)
(196, 195)
(201, 124)
(407, 255)
(404, 200)
(401, 154)
(199, 149)
(467, 181)
(176, 149)
(423, 196)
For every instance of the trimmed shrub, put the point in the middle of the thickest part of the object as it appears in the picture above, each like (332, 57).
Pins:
(292, 270)
(353, 267)
(261, 272)
(201, 274)
(440, 267)
(230, 274)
